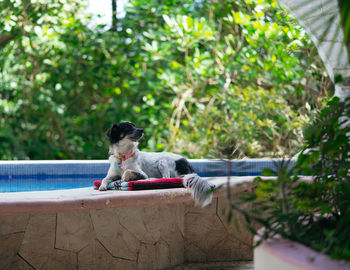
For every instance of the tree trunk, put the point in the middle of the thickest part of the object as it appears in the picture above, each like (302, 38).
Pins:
(114, 15)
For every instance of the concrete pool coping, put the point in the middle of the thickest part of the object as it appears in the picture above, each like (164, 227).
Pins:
(88, 198)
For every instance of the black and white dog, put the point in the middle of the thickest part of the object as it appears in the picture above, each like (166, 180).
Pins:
(128, 163)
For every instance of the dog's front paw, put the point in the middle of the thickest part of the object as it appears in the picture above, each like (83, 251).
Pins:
(128, 175)
(102, 187)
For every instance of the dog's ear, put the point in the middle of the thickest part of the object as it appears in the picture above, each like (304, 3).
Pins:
(112, 130)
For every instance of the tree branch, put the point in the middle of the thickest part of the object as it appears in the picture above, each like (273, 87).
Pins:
(6, 38)
(62, 136)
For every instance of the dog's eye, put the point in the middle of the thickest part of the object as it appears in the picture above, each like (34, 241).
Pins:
(122, 136)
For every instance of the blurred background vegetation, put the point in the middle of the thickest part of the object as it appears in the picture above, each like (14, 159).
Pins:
(204, 78)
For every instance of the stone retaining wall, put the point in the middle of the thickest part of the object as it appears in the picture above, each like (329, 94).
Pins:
(143, 237)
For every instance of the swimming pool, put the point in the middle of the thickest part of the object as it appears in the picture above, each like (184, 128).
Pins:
(81, 228)
(20, 176)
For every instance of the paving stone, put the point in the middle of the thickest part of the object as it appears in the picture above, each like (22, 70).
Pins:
(122, 264)
(147, 258)
(113, 236)
(74, 230)
(39, 239)
(94, 257)
(136, 221)
(61, 260)
(163, 255)
(152, 237)
(18, 264)
(241, 233)
(193, 253)
(9, 246)
(180, 217)
(154, 219)
(170, 231)
(205, 231)
(231, 249)
(13, 223)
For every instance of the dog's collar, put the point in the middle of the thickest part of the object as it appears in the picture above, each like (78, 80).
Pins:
(121, 158)
(126, 156)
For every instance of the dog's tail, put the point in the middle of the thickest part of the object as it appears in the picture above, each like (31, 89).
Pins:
(201, 189)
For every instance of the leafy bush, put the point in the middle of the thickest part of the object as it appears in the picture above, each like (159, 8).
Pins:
(315, 213)
(237, 73)
(239, 76)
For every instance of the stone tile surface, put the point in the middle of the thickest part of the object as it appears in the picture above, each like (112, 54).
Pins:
(153, 221)
(122, 264)
(236, 228)
(139, 221)
(147, 258)
(205, 231)
(74, 230)
(193, 253)
(61, 260)
(13, 223)
(230, 248)
(180, 217)
(209, 237)
(9, 246)
(18, 264)
(171, 231)
(163, 255)
(94, 257)
(150, 237)
(113, 236)
(39, 239)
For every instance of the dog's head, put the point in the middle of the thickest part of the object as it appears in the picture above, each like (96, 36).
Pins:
(124, 131)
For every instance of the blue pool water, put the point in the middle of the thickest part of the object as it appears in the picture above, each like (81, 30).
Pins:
(49, 182)
(56, 175)
(52, 182)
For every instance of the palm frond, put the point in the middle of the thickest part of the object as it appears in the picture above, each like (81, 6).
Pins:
(328, 24)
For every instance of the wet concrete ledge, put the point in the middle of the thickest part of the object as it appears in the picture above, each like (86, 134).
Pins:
(88, 198)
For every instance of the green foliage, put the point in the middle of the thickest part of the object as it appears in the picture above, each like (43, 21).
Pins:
(315, 213)
(204, 79)
(228, 70)
(344, 7)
